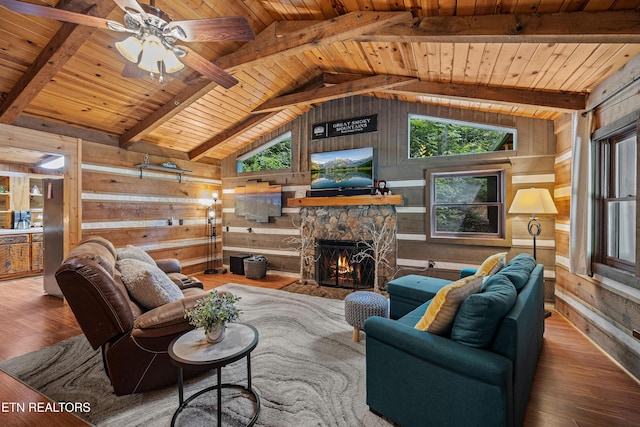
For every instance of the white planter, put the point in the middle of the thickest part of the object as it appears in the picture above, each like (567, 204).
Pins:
(216, 334)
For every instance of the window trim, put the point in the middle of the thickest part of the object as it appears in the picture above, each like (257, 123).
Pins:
(603, 149)
(461, 123)
(467, 239)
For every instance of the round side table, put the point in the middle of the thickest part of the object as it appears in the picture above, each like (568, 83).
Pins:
(192, 349)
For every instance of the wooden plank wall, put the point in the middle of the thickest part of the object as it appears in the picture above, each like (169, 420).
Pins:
(605, 310)
(531, 165)
(126, 209)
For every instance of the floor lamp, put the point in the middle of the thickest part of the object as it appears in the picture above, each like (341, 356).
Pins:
(211, 235)
(534, 201)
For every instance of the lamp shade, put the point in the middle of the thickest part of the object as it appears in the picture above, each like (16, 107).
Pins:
(130, 48)
(533, 201)
(172, 63)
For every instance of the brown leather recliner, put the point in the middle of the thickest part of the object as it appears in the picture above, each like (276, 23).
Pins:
(134, 341)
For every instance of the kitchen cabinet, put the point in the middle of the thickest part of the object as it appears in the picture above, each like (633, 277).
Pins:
(21, 254)
(15, 255)
(37, 252)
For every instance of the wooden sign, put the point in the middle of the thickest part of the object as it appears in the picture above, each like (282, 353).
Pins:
(345, 127)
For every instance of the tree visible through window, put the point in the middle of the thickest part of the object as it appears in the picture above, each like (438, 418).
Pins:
(276, 154)
(467, 204)
(431, 137)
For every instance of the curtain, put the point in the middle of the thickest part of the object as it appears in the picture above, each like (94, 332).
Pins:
(581, 180)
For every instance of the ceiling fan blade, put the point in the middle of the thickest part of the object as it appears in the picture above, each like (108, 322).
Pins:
(53, 13)
(207, 69)
(132, 71)
(226, 28)
(131, 5)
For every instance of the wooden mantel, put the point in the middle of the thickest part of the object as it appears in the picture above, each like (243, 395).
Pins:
(393, 199)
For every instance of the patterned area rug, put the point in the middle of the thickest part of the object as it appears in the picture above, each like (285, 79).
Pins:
(306, 370)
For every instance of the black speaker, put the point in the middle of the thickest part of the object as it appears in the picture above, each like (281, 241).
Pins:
(236, 264)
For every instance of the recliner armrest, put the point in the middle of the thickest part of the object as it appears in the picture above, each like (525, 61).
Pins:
(169, 265)
(166, 319)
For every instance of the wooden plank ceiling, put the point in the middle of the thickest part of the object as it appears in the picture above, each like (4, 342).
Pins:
(530, 58)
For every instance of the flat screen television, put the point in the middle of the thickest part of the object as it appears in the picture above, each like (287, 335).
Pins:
(343, 169)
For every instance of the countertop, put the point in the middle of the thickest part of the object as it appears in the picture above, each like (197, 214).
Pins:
(6, 231)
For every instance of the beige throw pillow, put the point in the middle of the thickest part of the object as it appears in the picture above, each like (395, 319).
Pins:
(134, 252)
(149, 286)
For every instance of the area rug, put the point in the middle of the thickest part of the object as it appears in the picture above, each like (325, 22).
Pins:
(306, 370)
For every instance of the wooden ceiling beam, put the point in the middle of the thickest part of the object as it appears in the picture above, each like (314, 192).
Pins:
(53, 57)
(312, 37)
(555, 100)
(565, 27)
(268, 45)
(340, 90)
(248, 123)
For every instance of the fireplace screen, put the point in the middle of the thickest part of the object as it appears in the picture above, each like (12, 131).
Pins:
(335, 265)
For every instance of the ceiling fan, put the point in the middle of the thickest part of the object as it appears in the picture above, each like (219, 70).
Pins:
(153, 36)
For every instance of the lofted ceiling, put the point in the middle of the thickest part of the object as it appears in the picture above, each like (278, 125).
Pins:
(529, 58)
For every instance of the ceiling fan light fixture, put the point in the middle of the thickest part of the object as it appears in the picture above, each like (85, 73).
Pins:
(153, 48)
(171, 63)
(130, 48)
(149, 64)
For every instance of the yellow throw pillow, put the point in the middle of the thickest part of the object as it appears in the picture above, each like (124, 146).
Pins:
(439, 316)
(492, 264)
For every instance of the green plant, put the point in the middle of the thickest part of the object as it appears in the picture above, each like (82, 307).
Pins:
(213, 310)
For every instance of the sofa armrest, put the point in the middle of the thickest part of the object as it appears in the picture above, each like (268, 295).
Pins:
(169, 265)
(166, 319)
(413, 376)
(465, 272)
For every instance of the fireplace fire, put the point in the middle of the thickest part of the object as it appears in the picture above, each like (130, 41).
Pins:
(335, 265)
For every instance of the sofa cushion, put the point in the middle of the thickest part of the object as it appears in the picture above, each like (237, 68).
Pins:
(442, 310)
(147, 284)
(492, 264)
(479, 314)
(519, 269)
(415, 287)
(134, 252)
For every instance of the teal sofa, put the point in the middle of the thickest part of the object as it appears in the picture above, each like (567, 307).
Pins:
(417, 378)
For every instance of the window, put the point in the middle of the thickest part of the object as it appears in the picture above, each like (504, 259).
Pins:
(617, 182)
(276, 154)
(431, 137)
(468, 204)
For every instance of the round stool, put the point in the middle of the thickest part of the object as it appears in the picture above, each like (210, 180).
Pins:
(361, 305)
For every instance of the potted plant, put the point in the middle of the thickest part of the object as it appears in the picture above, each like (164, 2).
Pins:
(212, 313)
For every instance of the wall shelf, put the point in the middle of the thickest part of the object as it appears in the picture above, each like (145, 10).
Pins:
(177, 171)
(393, 199)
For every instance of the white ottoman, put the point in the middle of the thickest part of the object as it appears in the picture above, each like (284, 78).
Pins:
(361, 305)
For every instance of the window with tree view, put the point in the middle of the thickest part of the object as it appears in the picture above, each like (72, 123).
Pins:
(432, 137)
(276, 154)
(467, 204)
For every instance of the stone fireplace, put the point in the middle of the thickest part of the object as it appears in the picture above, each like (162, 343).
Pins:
(362, 225)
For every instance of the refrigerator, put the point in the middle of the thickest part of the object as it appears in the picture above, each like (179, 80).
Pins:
(53, 232)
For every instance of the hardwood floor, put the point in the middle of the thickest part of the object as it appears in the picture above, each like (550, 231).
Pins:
(575, 385)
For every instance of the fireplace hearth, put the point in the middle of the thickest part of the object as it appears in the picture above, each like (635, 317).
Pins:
(336, 266)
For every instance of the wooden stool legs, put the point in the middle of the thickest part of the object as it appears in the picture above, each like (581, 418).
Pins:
(356, 335)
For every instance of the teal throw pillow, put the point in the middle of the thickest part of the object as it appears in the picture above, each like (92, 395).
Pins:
(518, 270)
(478, 317)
